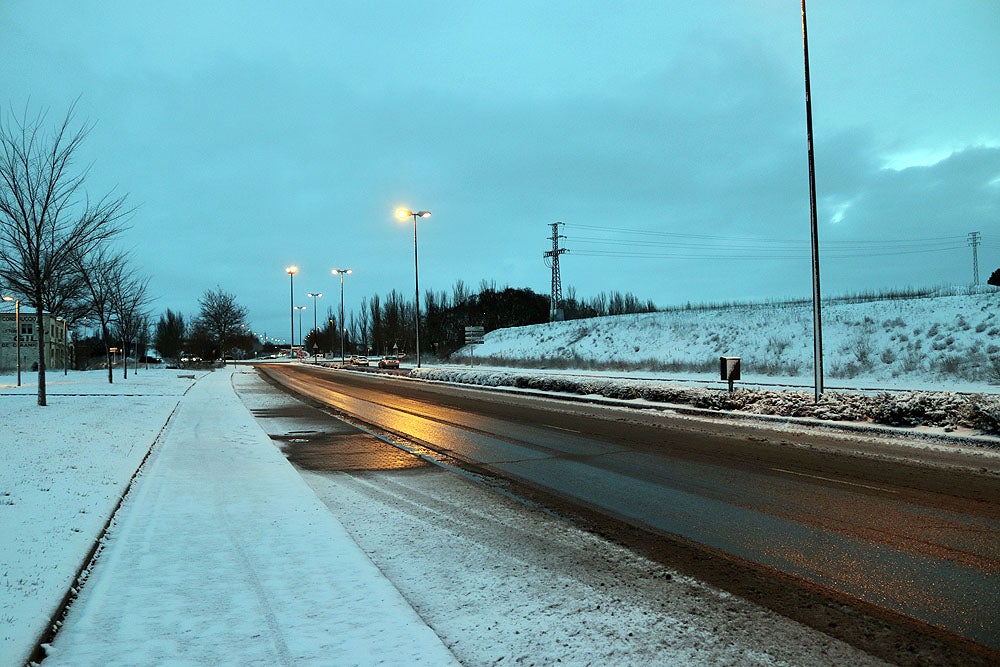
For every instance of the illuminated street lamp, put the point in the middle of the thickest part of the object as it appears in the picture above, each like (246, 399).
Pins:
(300, 309)
(343, 329)
(17, 332)
(314, 295)
(291, 271)
(403, 214)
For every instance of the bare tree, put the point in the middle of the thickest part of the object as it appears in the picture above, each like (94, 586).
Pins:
(46, 217)
(129, 298)
(101, 272)
(222, 318)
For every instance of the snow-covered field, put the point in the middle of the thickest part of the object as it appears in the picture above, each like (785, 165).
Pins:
(949, 342)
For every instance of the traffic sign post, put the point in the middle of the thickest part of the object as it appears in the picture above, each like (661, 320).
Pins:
(474, 336)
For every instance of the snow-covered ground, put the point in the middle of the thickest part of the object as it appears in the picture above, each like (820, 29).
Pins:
(65, 467)
(222, 554)
(949, 342)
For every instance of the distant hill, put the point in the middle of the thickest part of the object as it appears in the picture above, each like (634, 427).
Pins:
(947, 337)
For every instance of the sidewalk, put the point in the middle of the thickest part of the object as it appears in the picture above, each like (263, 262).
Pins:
(223, 555)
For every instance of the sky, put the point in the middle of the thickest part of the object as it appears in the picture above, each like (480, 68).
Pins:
(669, 137)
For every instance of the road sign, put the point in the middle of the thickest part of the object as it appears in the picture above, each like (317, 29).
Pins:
(474, 335)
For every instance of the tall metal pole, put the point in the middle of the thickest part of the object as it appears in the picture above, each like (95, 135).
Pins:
(300, 309)
(314, 313)
(314, 295)
(343, 329)
(813, 225)
(402, 214)
(416, 283)
(17, 333)
(66, 350)
(291, 305)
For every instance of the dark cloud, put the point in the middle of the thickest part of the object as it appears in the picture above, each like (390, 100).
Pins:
(259, 138)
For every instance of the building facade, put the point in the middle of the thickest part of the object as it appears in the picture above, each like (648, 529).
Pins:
(58, 350)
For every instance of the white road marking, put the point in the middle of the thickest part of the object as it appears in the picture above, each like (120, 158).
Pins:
(837, 481)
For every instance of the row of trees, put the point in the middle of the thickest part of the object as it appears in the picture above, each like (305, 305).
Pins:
(219, 329)
(386, 324)
(56, 241)
(615, 303)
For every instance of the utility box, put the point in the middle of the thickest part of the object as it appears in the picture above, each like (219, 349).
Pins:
(729, 370)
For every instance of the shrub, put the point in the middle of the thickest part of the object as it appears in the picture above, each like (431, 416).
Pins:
(949, 364)
(912, 361)
(994, 371)
(981, 415)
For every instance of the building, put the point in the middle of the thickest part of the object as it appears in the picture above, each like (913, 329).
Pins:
(58, 350)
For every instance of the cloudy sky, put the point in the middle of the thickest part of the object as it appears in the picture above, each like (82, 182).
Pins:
(669, 136)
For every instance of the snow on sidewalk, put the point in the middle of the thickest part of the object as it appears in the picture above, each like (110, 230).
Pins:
(223, 555)
(64, 467)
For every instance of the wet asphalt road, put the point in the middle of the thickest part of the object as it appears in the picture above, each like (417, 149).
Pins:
(920, 540)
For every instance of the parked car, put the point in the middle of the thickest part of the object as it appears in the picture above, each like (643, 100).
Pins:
(388, 362)
(359, 360)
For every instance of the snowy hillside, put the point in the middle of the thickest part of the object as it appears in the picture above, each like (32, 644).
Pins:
(947, 341)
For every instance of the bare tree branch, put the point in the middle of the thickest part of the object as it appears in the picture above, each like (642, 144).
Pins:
(48, 223)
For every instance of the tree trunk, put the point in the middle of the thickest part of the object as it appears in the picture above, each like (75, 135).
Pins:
(107, 352)
(40, 335)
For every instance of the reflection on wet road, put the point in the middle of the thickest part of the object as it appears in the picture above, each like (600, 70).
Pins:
(932, 557)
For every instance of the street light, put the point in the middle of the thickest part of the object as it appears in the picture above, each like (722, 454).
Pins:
(314, 295)
(291, 271)
(403, 214)
(343, 329)
(17, 332)
(300, 309)
(813, 226)
(65, 350)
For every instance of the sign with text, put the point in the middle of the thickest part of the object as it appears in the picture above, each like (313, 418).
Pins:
(474, 335)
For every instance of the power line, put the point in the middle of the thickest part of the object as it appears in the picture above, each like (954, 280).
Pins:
(716, 237)
(704, 246)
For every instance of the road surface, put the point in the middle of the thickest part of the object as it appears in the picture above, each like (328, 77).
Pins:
(917, 538)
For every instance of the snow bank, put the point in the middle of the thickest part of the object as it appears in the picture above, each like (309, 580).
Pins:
(945, 409)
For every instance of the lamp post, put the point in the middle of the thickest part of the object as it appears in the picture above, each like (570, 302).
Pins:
(813, 226)
(403, 214)
(314, 295)
(300, 309)
(291, 271)
(343, 329)
(17, 333)
(65, 354)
